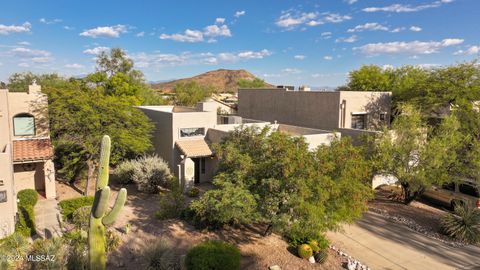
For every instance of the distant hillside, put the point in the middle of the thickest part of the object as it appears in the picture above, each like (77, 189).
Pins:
(221, 80)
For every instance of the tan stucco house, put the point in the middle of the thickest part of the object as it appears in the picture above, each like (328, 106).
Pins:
(26, 151)
(183, 137)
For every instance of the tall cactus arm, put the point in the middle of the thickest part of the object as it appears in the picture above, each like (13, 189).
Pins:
(100, 203)
(117, 207)
(102, 180)
(97, 245)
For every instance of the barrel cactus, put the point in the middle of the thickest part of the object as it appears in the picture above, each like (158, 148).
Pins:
(314, 245)
(99, 218)
(321, 256)
(305, 251)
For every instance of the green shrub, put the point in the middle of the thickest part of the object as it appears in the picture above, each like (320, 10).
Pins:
(15, 245)
(160, 255)
(78, 256)
(81, 217)
(314, 245)
(69, 206)
(321, 256)
(213, 255)
(172, 202)
(193, 192)
(147, 172)
(305, 251)
(463, 224)
(27, 197)
(113, 240)
(26, 221)
(49, 247)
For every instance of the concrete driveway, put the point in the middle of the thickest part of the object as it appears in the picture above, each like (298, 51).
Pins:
(382, 244)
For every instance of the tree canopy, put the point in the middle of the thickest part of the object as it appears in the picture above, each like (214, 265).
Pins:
(189, 93)
(269, 177)
(255, 83)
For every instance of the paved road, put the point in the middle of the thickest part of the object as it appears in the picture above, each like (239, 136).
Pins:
(382, 244)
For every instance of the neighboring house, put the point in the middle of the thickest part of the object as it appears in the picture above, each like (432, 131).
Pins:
(26, 151)
(183, 138)
(352, 113)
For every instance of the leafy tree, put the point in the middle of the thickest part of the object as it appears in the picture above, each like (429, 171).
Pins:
(255, 83)
(294, 191)
(418, 155)
(370, 78)
(189, 93)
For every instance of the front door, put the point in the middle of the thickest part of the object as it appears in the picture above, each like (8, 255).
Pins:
(197, 170)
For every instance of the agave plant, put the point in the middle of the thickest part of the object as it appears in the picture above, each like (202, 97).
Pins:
(463, 224)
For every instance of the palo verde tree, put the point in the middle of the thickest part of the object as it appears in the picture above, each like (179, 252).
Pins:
(189, 93)
(269, 177)
(419, 155)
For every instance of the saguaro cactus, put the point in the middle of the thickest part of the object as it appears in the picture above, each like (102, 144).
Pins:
(98, 217)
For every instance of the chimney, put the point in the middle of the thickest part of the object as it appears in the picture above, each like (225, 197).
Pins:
(34, 88)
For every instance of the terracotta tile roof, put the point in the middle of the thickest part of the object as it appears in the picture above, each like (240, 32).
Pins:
(32, 150)
(194, 148)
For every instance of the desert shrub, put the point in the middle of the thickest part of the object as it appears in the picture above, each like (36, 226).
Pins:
(70, 161)
(213, 255)
(43, 249)
(78, 253)
(124, 171)
(26, 221)
(81, 217)
(147, 172)
(305, 251)
(27, 197)
(463, 224)
(69, 206)
(160, 255)
(193, 192)
(113, 240)
(321, 256)
(314, 245)
(172, 202)
(16, 246)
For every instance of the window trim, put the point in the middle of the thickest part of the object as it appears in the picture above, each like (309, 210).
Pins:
(365, 121)
(24, 115)
(4, 195)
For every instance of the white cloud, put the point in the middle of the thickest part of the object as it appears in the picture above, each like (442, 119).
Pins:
(192, 36)
(368, 26)
(8, 29)
(400, 8)
(351, 2)
(470, 51)
(328, 57)
(326, 35)
(140, 34)
(74, 66)
(96, 50)
(291, 19)
(349, 39)
(23, 64)
(105, 31)
(299, 57)
(415, 28)
(412, 47)
(336, 18)
(398, 29)
(24, 43)
(291, 71)
(54, 21)
(69, 28)
(239, 13)
(220, 20)
(254, 55)
(26, 52)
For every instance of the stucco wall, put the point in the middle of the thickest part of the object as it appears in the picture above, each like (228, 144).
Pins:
(8, 208)
(373, 103)
(308, 109)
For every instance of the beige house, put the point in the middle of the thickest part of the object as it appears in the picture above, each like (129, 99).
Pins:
(183, 137)
(350, 112)
(26, 151)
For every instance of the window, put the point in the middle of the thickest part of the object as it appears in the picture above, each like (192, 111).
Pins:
(3, 196)
(202, 162)
(383, 116)
(449, 186)
(23, 125)
(469, 190)
(359, 121)
(191, 132)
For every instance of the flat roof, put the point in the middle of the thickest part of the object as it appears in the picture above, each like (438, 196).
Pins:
(170, 108)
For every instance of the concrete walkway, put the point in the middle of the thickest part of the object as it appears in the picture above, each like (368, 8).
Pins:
(382, 244)
(47, 218)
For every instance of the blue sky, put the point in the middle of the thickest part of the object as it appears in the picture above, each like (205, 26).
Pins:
(285, 42)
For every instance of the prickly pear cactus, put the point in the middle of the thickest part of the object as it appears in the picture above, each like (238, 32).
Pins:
(98, 217)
